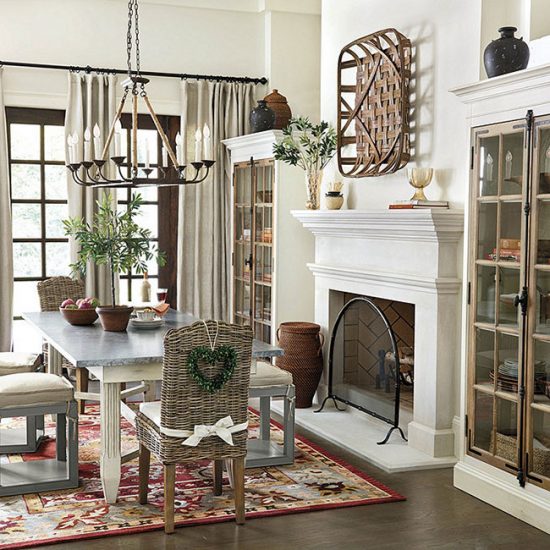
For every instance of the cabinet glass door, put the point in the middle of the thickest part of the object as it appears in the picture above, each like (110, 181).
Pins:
(253, 246)
(538, 352)
(498, 195)
(242, 247)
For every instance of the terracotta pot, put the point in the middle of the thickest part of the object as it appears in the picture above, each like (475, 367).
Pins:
(279, 105)
(79, 317)
(303, 358)
(114, 319)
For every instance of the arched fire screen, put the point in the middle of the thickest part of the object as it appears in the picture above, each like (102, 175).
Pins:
(364, 369)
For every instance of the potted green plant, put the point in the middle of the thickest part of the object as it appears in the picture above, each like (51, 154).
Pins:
(113, 238)
(309, 146)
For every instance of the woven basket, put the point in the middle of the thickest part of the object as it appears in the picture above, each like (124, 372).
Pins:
(303, 358)
(506, 447)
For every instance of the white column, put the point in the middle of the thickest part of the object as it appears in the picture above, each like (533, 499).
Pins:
(110, 440)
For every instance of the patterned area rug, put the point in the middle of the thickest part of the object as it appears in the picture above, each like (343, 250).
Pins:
(316, 481)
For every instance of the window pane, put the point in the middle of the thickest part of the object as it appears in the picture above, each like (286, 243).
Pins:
(26, 221)
(25, 141)
(54, 214)
(123, 291)
(150, 194)
(26, 260)
(153, 268)
(57, 259)
(149, 219)
(25, 181)
(25, 297)
(54, 143)
(56, 182)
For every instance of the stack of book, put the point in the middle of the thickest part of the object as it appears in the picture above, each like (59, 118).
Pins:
(417, 203)
(510, 251)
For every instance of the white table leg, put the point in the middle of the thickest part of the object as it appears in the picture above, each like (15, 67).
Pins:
(110, 440)
(54, 361)
(149, 393)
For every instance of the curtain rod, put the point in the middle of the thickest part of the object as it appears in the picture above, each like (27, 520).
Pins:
(88, 69)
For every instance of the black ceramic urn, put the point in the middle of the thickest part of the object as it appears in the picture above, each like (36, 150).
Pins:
(262, 118)
(506, 54)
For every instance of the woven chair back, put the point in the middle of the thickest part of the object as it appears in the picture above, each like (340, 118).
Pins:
(55, 290)
(185, 404)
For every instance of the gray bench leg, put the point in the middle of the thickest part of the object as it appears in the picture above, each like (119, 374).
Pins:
(265, 417)
(61, 438)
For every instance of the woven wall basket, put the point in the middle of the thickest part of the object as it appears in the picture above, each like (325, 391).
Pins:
(303, 358)
(374, 73)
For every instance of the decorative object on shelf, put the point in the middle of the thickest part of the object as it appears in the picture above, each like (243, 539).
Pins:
(279, 105)
(506, 54)
(333, 197)
(262, 117)
(419, 178)
(303, 358)
(115, 239)
(309, 146)
(91, 171)
(373, 115)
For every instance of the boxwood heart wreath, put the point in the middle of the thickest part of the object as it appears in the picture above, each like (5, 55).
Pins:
(225, 354)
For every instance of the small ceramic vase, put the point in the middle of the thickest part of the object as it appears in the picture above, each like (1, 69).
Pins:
(334, 200)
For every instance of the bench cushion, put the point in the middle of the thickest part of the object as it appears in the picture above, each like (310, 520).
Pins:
(12, 362)
(33, 388)
(268, 375)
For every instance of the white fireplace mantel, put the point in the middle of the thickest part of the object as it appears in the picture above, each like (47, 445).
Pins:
(411, 225)
(410, 256)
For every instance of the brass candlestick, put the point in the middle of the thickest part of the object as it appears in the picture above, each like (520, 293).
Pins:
(420, 178)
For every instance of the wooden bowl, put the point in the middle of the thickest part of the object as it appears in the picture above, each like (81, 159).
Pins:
(80, 317)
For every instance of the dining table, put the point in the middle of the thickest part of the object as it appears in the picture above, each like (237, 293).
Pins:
(115, 358)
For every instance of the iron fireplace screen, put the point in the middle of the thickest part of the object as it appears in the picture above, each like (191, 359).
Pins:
(364, 369)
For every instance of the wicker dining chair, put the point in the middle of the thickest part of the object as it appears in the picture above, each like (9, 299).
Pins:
(184, 405)
(52, 292)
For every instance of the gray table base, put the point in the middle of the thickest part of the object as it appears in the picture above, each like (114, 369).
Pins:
(23, 440)
(263, 451)
(45, 475)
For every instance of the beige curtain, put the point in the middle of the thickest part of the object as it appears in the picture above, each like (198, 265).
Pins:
(204, 209)
(91, 101)
(6, 252)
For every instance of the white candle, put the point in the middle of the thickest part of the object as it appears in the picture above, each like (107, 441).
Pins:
(198, 140)
(164, 156)
(147, 161)
(70, 148)
(207, 148)
(87, 144)
(179, 149)
(76, 155)
(97, 143)
(118, 132)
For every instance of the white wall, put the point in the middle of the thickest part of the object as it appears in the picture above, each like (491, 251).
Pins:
(222, 37)
(445, 38)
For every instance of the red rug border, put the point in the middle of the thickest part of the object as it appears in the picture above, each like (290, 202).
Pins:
(394, 497)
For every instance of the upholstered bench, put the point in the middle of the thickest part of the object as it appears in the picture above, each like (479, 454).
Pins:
(24, 440)
(268, 381)
(35, 394)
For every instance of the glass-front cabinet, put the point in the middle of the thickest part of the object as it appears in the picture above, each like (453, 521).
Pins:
(508, 422)
(253, 245)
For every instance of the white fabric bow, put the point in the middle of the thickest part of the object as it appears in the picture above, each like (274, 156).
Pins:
(223, 428)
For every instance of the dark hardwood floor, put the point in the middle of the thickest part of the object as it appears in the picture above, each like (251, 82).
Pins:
(435, 515)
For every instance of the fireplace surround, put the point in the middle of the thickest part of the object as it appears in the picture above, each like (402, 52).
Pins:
(410, 256)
